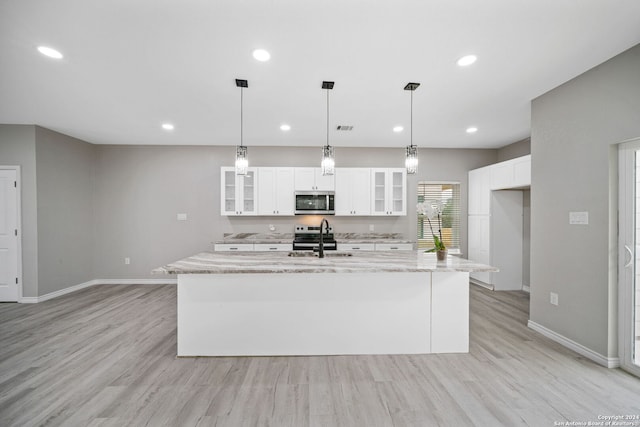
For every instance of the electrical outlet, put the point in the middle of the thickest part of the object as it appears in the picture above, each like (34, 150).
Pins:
(553, 298)
(127, 260)
(371, 227)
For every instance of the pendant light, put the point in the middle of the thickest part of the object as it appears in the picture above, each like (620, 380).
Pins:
(328, 160)
(411, 159)
(242, 162)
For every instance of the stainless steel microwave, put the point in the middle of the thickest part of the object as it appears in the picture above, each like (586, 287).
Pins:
(314, 203)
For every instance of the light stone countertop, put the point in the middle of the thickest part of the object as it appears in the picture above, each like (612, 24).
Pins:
(274, 238)
(280, 262)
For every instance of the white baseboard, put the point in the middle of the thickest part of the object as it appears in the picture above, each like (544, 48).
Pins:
(136, 281)
(609, 362)
(526, 288)
(50, 295)
(45, 297)
(481, 284)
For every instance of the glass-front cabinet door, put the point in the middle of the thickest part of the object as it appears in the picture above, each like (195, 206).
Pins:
(238, 192)
(389, 188)
(398, 192)
(248, 196)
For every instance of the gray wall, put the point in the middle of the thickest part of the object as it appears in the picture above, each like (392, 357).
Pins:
(18, 148)
(573, 131)
(140, 189)
(526, 238)
(517, 149)
(65, 192)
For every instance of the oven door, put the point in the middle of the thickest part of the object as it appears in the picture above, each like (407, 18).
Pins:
(314, 204)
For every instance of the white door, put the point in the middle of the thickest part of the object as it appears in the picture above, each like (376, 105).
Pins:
(8, 235)
(629, 255)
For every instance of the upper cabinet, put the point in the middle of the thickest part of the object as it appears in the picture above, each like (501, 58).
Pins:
(353, 191)
(311, 179)
(511, 173)
(269, 191)
(522, 171)
(238, 193)
(275, 191)
(388, 191)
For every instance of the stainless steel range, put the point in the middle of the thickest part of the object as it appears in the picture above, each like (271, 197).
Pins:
(307, 238)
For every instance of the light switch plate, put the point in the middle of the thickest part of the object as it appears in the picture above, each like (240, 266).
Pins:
(371, 227)
(182, 217)
(579, 218)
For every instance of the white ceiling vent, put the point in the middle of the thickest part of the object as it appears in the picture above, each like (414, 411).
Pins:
(344, 127)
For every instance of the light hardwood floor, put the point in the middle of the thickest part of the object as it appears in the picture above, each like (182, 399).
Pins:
(105, 356)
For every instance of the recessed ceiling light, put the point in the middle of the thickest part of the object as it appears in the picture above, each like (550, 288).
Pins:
(398, 128)
(285, 127)
(168, 126)
(261, 55)
(50, 52)
(472, 129)
(467, 60)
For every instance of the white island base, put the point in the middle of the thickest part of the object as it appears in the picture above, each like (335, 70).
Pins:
(263, 314)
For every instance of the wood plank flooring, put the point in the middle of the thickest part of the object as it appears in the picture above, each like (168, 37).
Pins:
(105, 356)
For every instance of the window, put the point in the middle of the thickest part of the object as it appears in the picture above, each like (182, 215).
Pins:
(449, 195)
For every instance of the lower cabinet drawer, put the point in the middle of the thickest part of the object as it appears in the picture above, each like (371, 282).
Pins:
(273, 247)
(356, 246)
(394, 246)
(227, 247)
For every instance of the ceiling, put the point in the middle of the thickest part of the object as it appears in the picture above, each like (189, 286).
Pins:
(130, 66)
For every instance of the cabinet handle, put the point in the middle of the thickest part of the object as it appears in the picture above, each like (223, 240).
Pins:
(273, 249)
(233, 249)
(393, 247)
(355, 248)
(630, 256)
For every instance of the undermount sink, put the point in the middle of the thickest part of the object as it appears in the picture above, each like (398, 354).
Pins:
(327, 254)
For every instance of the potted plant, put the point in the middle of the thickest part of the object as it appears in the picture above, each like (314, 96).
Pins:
(432, 210)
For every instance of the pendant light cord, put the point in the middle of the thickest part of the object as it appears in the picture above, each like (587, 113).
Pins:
(411, 118)
(327, 117)
(241, 114)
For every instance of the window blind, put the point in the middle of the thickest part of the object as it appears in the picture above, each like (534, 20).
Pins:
(449, 195)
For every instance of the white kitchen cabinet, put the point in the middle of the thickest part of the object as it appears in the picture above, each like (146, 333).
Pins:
(522, 171)
(479, 244)
(479, 191)
(230, 247)
(238, 193)
(388, 191)
(495, 222)
(272, 247)
(353, 191)
(275, 191)
(511, 173)
(311, 179)
(356, 246)
(394, 246)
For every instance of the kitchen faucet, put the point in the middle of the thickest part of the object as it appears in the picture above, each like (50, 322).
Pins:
(321, 245)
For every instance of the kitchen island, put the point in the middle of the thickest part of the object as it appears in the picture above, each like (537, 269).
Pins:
(270, 303)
